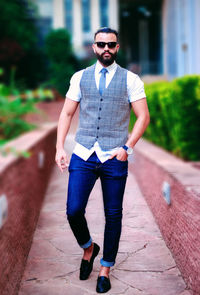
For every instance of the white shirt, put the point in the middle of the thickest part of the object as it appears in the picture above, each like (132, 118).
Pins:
(135, 90)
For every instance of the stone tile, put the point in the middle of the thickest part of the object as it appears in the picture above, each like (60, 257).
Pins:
(51, 219)
(54, 287)
(130, 247)
(143, 266)
(186, 292)
(152, 257)
(118, 287)
(41, 269)
(133, 291)
(154, 283)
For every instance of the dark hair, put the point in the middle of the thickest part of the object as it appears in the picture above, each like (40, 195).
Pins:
(107, 31)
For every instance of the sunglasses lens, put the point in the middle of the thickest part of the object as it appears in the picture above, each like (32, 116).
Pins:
(103, 44)
(112, 44)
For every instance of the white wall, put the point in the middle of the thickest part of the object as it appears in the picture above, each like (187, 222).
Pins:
(58, 14)
(181, 38)
(45, 8)
(77, 37)
(113, 14)
(55, 9)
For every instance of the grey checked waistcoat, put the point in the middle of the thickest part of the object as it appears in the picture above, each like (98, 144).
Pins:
(103, 118)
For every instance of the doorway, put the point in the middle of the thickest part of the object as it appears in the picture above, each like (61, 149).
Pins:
(141, 35)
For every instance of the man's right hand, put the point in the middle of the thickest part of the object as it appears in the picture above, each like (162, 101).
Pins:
(61, 159)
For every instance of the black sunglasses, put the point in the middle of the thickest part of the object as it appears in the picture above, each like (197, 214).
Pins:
(103, 44)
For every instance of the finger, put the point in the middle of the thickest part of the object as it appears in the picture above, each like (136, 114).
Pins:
(59, 164)
(122, 157)
(113, 155)
(61, 169)
(64, 162)
(64, 165)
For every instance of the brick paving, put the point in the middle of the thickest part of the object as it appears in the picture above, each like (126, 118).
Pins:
(144, 264)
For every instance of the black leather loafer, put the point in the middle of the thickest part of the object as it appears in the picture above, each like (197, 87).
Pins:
(103, 285)
(87, 266)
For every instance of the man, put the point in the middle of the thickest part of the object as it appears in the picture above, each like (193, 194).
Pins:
(106, 92)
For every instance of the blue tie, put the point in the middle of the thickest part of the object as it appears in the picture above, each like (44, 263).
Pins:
(102, 82)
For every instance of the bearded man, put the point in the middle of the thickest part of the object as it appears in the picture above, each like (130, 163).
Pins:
(106, 93)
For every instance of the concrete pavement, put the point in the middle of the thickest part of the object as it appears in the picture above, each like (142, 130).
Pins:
(144, 264)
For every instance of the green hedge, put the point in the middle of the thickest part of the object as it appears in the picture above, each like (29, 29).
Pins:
(14, 106)
(175, 116)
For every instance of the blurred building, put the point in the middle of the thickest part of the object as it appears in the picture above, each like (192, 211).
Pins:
(161, 37)
(80, 17)
(181, 37)
(157, 37)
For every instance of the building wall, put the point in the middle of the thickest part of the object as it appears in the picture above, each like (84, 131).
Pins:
(81, 17)
(181, 40)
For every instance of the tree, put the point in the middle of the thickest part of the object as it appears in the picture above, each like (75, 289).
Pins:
(62, 60)
(18, 42)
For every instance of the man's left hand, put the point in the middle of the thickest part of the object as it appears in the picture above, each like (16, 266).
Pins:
(120, 154)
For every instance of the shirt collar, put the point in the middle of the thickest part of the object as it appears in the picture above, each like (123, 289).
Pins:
(110, 68)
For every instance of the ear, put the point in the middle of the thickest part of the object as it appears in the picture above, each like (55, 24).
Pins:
(117, 47)
(93, 47)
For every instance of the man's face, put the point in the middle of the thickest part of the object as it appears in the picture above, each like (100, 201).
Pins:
(105, 55)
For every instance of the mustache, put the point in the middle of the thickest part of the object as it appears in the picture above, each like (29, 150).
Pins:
(107, 51)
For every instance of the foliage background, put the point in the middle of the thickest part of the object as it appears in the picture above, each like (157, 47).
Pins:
(175, 111)
(19, 50)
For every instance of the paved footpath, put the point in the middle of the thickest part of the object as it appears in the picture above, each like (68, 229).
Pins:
(144, 264)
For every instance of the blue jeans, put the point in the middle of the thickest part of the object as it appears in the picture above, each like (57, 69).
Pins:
(82, 177)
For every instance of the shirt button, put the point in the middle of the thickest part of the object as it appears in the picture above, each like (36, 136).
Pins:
(101, 99)
(100, 109)
(97, 136)
(97, 127)
(99, 118)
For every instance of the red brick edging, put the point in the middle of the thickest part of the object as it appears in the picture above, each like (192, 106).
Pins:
(179, 222)
(24, 182)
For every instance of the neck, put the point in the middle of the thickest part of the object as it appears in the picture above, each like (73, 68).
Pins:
(105, 66)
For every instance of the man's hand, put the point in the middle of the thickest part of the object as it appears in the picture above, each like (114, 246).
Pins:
(61, 159)
(120, 154)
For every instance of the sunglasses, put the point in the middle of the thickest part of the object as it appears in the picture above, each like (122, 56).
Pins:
(103, 44)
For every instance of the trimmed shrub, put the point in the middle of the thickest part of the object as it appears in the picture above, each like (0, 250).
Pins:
(186, 114)
(175, 116)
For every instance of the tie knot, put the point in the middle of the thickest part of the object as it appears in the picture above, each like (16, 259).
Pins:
(104, 71)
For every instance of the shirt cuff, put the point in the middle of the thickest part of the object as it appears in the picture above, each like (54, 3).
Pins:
(137, 97)
(72, 97)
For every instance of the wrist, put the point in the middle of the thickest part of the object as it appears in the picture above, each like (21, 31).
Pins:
(59, 147)
(128, 149)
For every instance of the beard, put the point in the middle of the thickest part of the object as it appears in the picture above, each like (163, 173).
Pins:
(106, 61)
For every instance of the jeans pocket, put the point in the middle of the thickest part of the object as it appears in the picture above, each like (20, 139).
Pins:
(120, 160)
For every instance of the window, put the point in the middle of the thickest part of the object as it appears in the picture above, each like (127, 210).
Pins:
(103, 13)
(68, 5)
(86, 15)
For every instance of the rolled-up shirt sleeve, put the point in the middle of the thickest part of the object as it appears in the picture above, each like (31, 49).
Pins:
(74, 91)
(135, 87)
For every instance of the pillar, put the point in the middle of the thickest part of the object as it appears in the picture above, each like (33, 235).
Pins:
(113, 6)
(95, 16)
(77, 37)
(58, 14)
